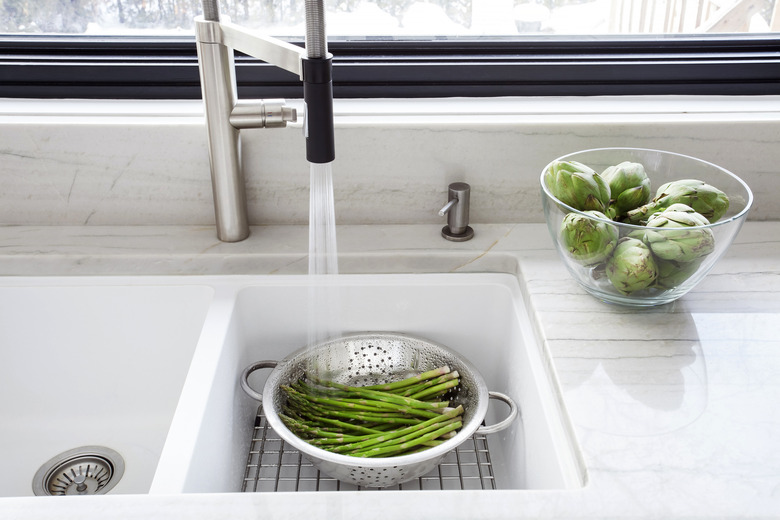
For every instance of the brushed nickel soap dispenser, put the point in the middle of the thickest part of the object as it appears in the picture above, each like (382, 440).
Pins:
(457, 211)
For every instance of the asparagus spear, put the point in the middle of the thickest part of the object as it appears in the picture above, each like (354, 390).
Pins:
(396, 449)
(404, 434)
(430, 374)
(374, 421)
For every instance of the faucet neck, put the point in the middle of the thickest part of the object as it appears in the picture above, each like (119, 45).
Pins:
(316, 40)
(211, 10)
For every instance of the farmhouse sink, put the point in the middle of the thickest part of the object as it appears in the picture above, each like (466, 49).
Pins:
(480, 316)
(148, 368)
(92, 362)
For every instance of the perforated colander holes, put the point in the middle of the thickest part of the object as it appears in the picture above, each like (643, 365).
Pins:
(371, 359)
(376, 477)
(454, 396)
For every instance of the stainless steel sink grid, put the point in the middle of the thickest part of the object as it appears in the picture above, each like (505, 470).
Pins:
(273, 465)
(89, 470)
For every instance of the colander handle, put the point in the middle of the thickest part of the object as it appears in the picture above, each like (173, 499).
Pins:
(248, 370)
(494, 428)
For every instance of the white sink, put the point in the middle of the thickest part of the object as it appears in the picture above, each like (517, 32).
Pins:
(92, 361)
(481, 316)
(150, 366)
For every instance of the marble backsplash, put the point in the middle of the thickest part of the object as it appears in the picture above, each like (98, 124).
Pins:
(145, 163)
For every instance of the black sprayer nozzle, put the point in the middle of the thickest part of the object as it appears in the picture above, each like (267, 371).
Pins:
(318, 100)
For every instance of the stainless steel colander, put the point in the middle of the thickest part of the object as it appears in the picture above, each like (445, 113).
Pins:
(368, 359)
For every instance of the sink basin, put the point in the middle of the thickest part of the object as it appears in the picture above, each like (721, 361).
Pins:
(149, 368)
(480, 316)
(92, 362)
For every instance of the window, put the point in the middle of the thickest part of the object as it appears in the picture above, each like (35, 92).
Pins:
(403, 48)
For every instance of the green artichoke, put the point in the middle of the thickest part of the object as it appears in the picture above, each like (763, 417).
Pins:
(671, 273)
(673, 234)
(588, 240)
(707, 200)
(631, 266)
(629, 186)
(577, 185)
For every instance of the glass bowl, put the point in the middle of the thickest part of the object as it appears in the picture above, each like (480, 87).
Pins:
(669, 276)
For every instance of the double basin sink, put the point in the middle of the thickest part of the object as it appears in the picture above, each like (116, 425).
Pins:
(149, 368)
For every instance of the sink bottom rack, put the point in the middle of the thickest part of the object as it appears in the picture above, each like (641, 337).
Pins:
(273, 465)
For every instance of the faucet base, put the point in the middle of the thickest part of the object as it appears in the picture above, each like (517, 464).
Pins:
(462, 237)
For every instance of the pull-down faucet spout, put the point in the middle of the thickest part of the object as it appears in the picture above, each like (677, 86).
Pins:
(226, 115)
(318, 87)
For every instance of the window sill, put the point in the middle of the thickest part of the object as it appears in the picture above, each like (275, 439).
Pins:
(420, 110)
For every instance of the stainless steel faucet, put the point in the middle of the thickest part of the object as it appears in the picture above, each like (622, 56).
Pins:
(226, 115)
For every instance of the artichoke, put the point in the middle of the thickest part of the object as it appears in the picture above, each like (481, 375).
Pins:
(678, 237)
(577, 185)
(631, 266)
(707, 200)
(671, 273)
(629, 186)
(588, 240)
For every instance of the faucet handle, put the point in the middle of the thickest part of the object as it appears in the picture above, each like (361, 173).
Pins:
(277, 114)
(262, 113)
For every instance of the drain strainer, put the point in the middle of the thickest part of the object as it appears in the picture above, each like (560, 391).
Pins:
(89, 470)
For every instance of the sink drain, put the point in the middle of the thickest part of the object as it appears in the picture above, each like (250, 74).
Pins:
(89, 470)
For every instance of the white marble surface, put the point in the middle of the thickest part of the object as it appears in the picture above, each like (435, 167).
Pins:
(145, 163)
(674, 407)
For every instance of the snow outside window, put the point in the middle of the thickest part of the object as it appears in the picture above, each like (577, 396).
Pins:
(400, 18)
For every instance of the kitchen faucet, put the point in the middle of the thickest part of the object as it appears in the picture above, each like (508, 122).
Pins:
(226, 115)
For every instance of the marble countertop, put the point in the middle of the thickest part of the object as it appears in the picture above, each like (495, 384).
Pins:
(675, 408)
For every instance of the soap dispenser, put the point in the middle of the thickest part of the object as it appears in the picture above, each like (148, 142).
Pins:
(457, 211)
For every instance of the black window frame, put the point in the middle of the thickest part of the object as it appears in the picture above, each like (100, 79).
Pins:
(166, 67)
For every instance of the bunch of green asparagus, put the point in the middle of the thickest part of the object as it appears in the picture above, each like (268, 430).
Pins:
(384, 420)
(670, 247)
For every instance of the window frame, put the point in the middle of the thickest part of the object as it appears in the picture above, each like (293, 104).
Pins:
(53, 67)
